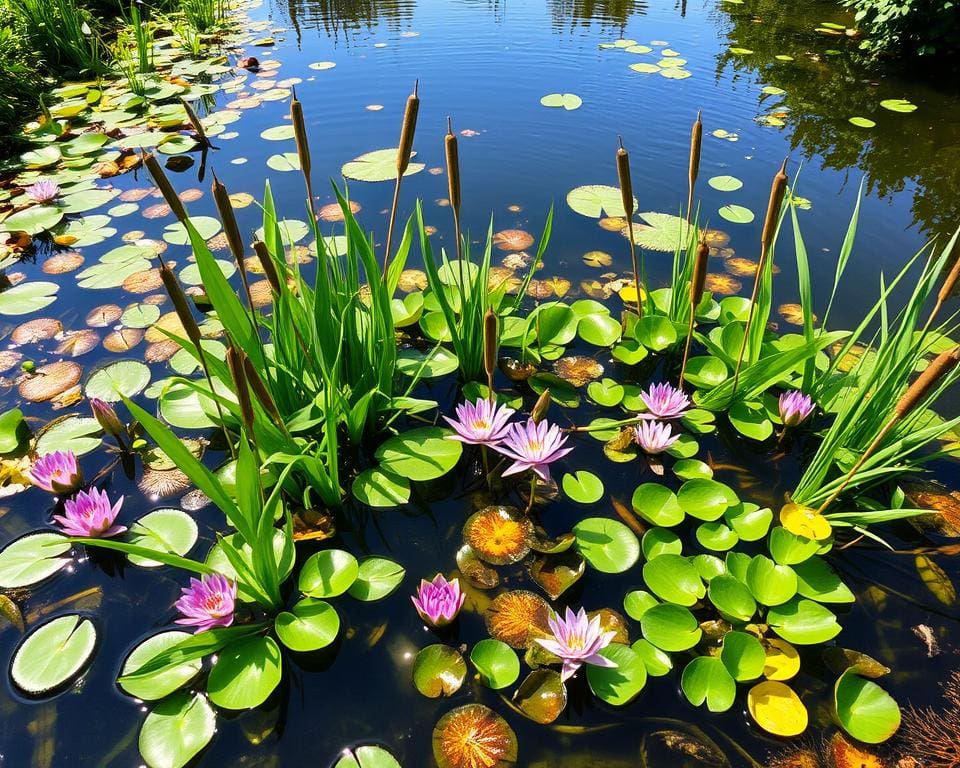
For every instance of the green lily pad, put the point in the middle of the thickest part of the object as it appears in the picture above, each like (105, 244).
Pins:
(328, 573)
(27, 297)
(379, 489)
(662, 231)
(657, 504)
(569, 101)
(660, 541)
(803, 622)
(670, 627)
(583, 487)
(621, 684)
(732, 598)
(309, 626)
(497, 663)
(725, 183)
(245, 674)
(674, 578)
(33, 220)
(898, 105)
(788, 548)
(32, 558)
(743, 656)
(125, 378)
(53, 654)
(164, 530)
(157, 686)
(596, 200)
(377, 578)
(705, 499)
(369, 755)
(176, 233)
(749, 521)
(607, 545)
(379, 165)
(420, 454)
(864, 709)
(176, 730)
(818, 581)
(770, 583)
(862, 122)
(706, 679)
(657, 662)
(637, 603)
(736, 214)
(439, 670)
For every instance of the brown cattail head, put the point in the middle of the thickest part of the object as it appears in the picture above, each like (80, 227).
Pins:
(699, 277)
(626, 186)
(453, 168)
(952, 278)
(235, 364)
(260, 391)
(165, 187)
(944, 363)
(407, 131)
(230, 228)
(540, 408)
(300, 134)
(195, 122)
(777, 191)
(491, 338)
(181, 305)
(266, 262)
(696, 141)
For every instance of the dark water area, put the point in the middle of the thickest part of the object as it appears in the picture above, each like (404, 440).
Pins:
(487, 64)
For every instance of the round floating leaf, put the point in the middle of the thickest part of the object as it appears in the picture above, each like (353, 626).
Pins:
(309, 626)
(660, 541)
(33, 220)
(517, 618)
(496, 662)
(32, 558)
(140, 316)
(607, 545)
(621, 684)
(863, 122)
(706, 679)
(709, 567)
(568, 101)
(439, 670)
(657, 504)
(670, 627)
(278, 133)
(716, 536)
(657, 662)
(743, 656)
(125, 377)
(541, 696)
(864, 709)
(367, 756)
(328, 573)
(736, 214)
(245, 674)
(27, 297)
(599, 329)
(176, 730)
(420, 454)
(783, 661)
(645, 67)
(706, 372)
(379, 165)
(749, 521)
(606, 392)
(770, 583)
(53, 654)
(380, 489)
(158, 685)
(499, 535)
(898, 105)
(440, 363)
(655, 332)
(818, 581)
(286, 162)
(788, 549)
(377, 578)
(725, 183)
(637, 603)
(190, 274)
(674, 578)
(176, 233)
(473, 735)
(676, 73)
(705, 499)
(750, 420)
(777, 709)
(596, 200)
(582, 486)
(86, 200)
(163, 530)
(731, 598)
(79, 434)
(803, 622)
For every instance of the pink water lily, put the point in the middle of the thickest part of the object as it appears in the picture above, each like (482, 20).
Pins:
(57, 472)
(654, 436)
(533, 446)
(89, 514)
(577, 641)
(795, 408)
(208, 602)
(43, 191)
(439, 601)
(106, 417)
(664, 401)
(480, 423)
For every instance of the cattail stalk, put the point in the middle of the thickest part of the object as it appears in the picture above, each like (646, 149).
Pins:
(261, 392)
(453, 185)
(235, 359)
(777, 191)
(626, 195)
(231, 231)
(491, 338)
(696, 141)
(407, 131)
(697, 281)
(942, 365)
(164, 185)
(303, 146)
(195, 122)
(953, 277)
(267, 265)
(182, 307)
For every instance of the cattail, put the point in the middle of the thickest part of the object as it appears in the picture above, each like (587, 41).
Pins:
(453, 169)
(181, 305)
(227, 215)
(165, 187)
(303, 146)
(540, 408)
(944, 363)
(195, 122)
(777, 190)
(696, 141)
(699, 278)
(623, 174)
(490, 339)
(235, 364)
(951, 282)
(407, 131)
(266, 263)
(261, 392)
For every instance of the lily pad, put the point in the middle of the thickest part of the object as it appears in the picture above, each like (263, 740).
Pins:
(379, 165)
(607, 545)
(596, 200)
(439, 670)
(496, 662)
(864, 709)
(542, 696)
(125, 378)
(157, 686)
(568, 101)
(176, 730)
(32, 558)
(621, 684)
(420, 454)
(736, 214)
(53, 654)
(706, 679)
(164, 530)
(27, 297)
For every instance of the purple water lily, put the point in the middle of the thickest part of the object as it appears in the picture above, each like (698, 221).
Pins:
(795, 408)
(664, 401)
(654, 436)
(57, 472)
(89, 514)
(208, 602)
(439, 601)
(533, 446)
(43, 191)
(480, 423)
(577, 641)
(106, 417)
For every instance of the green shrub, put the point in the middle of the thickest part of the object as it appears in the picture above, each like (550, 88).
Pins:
(911, 27)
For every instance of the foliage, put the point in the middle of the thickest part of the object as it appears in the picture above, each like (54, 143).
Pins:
(926, 29)
(63, 32)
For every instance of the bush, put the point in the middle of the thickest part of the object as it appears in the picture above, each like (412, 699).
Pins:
(923, 28)
(20, 80)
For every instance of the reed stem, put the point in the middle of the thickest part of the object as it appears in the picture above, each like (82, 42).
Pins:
(626, 195)
(697, 281)
(407, 131)
(696, 141)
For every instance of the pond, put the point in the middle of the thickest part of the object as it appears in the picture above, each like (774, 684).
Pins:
(771, 80)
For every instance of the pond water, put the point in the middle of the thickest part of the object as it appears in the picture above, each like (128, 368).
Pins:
(487, 64)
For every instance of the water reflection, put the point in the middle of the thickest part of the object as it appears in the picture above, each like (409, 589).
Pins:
(568, 15)
(341, 20)
(827, 83)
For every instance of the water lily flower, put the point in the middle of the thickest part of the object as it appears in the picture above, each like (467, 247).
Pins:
(577, 641)
(57, 472)
(208, 602)
(89, 514)
(795, 407)
(664, 402)
(480, 423)
(654, 436)
(439, 601)
(533, 446)
(43, 191)
(106, 417)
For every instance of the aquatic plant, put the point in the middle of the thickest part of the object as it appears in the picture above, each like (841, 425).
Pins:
(43, 191)
(664, 401)
(654, 436)
(533, 446)
(89, 514)
(438, 601)
(203, 15)
(208, 602)
(577, 640)
(63, 30)
(57, 472)
(480, 423)
(795, 408)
